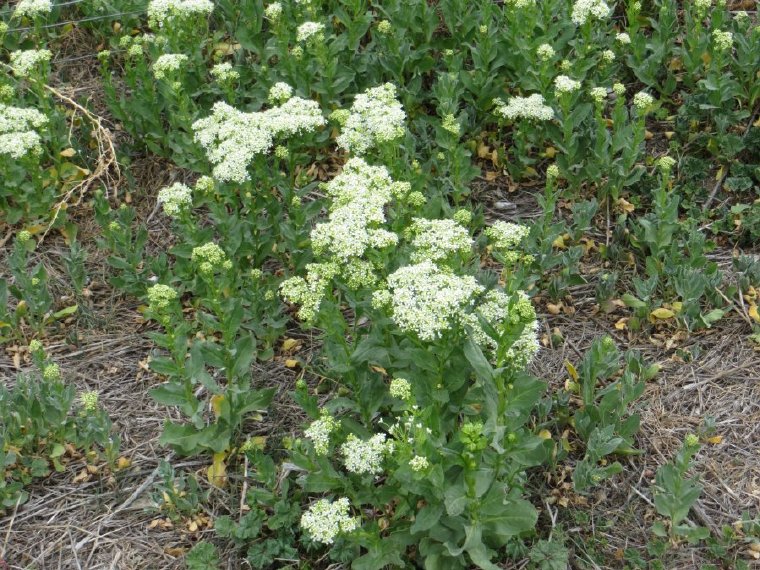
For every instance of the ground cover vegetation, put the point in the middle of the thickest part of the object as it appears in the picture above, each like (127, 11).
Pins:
(392, 284)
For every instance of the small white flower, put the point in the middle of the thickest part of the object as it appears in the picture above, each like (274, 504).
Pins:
(24, 61)
(418, 463)
(723, 41)
(623, 38)
(584, 10)
(428, 301)
(309, 30)
(401, 388)
(162, 11)
(273, 11)
(325, 520)
(225, 73)
(545, 52)
(532, 108)
(438, 240)
(33, 8)
(319, 432)
(608, 56)
(18, 131)
(168, 64)
(507, 235)
(376, 118)
(643, 101)
(175, 199)
(599, 94)
(364, 457)
(279, 93)
(563, 84)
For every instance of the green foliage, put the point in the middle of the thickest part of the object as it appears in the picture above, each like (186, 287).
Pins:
(42, 425)
(675, 493)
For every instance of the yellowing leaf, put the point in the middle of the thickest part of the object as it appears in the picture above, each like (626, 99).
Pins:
(290, 344)
(291, 363)
(68, 153)
(625, 205)
(571, 370)
(550, 152)
(217, 471)
(715, 440)
(123, 463)
(216, 404)
(753, 313)
(662, 313)
(622, 324)
(545, 434)
(677, 306)
(559, 243)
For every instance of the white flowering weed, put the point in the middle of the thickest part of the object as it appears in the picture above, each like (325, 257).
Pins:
(18, 134)
(33, 8)
(175, 199)
(376, 118)
(232, 138)
(162, 11)
(585, 10)
(427, 301)
(319, 432)
(564, 84)
(23, 62)
(438, 240)
(532, 108)
(364, 457)
(309, 30)
(168, 64)
(325, 520)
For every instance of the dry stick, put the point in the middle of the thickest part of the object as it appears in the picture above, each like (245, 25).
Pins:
(725, 173)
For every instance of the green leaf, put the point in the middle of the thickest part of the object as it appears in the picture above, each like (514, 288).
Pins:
(65, 312)
(427, 516)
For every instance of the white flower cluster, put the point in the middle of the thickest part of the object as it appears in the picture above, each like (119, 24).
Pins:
(521, 3)
(360, 193)
(532, 107)
(162, 11)
(24, 61)
(18, 136)
(427, 301)
(232, 138)
(419, 463)
(438, 240)
(224, 73)
(168, 64)
(376, 118)
(175, 199)
(643, 101)
(319, 432)
(598, 94)
(210, 258)
(325, 520)
(365, 457)
(308, 292)
(723, 41)
(400, 388)
(545, 52)
(563, 84)
(309, 30)
(273, 11)
(623, 38)
(503, 312)
(583, 10)
(279, 93)
(506, 236)
(33, 8)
